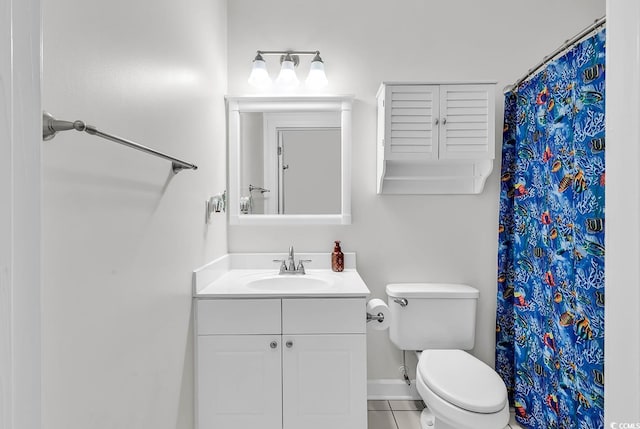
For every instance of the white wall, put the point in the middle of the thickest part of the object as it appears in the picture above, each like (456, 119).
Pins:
(20, 340)
(121, 234)
(364, 42)
(622, 322)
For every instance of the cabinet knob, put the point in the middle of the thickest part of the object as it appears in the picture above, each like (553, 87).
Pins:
(273, 344)
(444, 121)
(437, 121)
(289, 344)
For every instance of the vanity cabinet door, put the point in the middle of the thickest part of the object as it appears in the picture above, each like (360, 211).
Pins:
(239, 382)
(324, 381)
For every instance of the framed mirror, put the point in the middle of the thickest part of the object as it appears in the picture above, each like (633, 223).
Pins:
(289, 160)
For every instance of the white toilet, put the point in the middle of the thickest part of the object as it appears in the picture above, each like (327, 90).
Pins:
(438, 321)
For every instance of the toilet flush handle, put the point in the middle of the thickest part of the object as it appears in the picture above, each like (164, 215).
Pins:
(402, 301)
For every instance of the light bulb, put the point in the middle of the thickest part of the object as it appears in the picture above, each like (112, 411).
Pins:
(259, 76)
(287, 78)
(316, 78)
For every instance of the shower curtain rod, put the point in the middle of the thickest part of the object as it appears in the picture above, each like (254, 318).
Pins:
(50, 126)
(567, 44)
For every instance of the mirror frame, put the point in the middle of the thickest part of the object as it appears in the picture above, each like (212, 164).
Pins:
(283, 104)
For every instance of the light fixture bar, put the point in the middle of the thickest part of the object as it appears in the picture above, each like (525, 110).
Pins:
(288, 52)
(292, 54)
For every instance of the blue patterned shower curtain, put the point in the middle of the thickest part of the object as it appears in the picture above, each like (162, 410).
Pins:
(550, 312)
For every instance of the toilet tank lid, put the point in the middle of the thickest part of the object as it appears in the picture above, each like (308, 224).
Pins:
(431, 290)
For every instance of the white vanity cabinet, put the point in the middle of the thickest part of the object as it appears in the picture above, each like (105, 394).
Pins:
(281, 363)
(435, 138)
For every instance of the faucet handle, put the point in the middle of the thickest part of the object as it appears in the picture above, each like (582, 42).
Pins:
(283, 264)
(301, 266)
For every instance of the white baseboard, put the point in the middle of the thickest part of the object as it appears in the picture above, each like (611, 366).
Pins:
(390, 389)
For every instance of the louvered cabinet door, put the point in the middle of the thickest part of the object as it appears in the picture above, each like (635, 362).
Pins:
(411, 122)
(466, 123)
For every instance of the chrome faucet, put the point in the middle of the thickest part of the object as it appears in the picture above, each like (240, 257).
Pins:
(292, 260)
(288, 266)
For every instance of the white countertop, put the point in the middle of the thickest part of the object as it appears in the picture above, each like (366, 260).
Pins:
(230, 277)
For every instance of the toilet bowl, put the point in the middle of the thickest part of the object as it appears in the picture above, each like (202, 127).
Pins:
(460, 392)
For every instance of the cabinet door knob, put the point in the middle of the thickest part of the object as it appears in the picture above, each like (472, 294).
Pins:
(289, 344)
(437, 121)
(444, 121)
(273, 344)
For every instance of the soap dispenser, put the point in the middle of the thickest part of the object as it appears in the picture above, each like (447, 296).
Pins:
(337, 258)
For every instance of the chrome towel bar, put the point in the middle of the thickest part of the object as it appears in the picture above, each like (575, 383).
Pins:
(51, 125)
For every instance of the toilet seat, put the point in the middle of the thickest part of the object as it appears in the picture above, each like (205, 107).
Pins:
(449, 416)
(462, 380)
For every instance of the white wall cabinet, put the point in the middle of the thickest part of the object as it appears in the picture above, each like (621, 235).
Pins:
(435, 138)
(309, 371)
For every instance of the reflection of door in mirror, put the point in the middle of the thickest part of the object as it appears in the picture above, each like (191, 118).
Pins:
(309, 167)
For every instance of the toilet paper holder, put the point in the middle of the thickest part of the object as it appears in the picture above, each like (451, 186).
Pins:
(377, 310)
(378, 317)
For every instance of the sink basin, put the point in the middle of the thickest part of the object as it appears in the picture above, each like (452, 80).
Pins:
(288, 283)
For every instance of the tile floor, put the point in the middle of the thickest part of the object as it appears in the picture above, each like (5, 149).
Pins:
(394, 414)
(400, 415)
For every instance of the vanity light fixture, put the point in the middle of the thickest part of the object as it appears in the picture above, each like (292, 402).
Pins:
(287, 78)
(259, 75)
(316, 77)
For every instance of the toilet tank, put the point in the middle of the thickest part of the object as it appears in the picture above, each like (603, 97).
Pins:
(432, 315)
